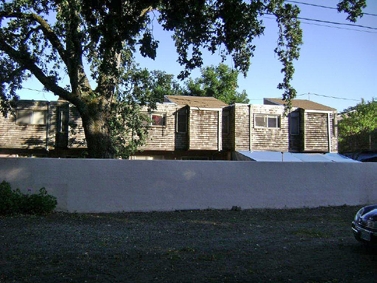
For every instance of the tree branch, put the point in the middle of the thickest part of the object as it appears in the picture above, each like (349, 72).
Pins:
(44, 26)
(24, 59)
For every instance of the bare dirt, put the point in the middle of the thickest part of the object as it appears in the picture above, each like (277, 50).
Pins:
(299, 245)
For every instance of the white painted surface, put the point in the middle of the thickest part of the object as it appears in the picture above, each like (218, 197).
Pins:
(87, 185)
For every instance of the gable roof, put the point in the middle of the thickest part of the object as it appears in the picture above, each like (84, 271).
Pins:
(195, 101)
(299, 103)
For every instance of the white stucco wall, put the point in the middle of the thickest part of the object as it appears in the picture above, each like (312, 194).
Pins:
(87, 185)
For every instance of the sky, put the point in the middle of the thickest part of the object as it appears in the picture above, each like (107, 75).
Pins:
(337, 65)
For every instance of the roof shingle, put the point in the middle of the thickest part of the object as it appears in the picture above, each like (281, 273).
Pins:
(299, 103)
(195, 101)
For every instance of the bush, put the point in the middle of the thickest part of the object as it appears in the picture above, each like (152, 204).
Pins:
(15, 202)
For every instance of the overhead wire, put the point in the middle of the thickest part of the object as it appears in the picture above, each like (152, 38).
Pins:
(329, 24)
(317, 23)
(337, 27)
(332, 24)
(336, 23)
(328, 96)
(322, 6)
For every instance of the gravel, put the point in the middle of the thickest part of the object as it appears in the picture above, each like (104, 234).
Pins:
(257, 245)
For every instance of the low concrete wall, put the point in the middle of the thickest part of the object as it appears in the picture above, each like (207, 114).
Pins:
(87, 185)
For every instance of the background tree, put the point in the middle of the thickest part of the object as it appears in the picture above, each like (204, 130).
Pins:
(358, 128)
(219, 82)
(92, 43)
(164, 84)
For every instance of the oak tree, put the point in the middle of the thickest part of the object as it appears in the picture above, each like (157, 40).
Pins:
(93, 43)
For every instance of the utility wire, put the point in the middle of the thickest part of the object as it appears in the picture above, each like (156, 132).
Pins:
(32, 89)
(322, 6)
(337, 26)
(328, 96)
(337, 23)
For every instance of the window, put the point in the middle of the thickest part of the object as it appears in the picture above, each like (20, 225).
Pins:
(225, 121)
(31, 117)
(334, 125)
(294, 125)
(62, 122)
(266, 121)
(156, 119)
(182, 121)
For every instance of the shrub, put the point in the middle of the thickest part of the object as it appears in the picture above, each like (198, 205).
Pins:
(9, 200)
(15, 202)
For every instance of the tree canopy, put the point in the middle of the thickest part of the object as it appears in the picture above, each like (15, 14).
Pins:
(83, 51)
(219, 82)
(357, 128)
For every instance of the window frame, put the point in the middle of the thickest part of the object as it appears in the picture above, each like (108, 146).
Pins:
(266, 121)
(30, 117)
(62, 121)
(161, 122)
(182, 113)
(294, 131)
(151, 123)
(225, 127)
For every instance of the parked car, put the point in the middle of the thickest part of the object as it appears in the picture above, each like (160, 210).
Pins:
(364, 226)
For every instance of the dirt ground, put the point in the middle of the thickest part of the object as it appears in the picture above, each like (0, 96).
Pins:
(299, 245)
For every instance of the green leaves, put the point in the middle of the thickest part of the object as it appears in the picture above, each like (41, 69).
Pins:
(219, 82)
(91, 46)
(354, 8)
(148, 46)
(15, 202)
(289, 41)
(358, 128)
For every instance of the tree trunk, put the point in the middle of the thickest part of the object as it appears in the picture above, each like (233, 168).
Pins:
(98, 135)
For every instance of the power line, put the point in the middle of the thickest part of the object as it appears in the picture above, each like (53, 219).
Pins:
(36, 90)
(337, 27)
(328, 96)
(337, 23)
(322, 6)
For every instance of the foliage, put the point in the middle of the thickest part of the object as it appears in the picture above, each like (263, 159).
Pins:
(219, 82)
(164, 84)
(357, 129)
(354, 8)
(83, 51)
(15, 202)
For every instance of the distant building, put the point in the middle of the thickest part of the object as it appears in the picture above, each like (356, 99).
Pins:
(182, 127)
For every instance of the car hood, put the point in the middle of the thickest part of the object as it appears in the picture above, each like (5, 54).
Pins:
(369, 213)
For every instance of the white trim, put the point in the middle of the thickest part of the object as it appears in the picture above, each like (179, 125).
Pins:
(319, 111)
(277, 117)
(329, 131)
(219, 130)
(206, 109)
(251, 118)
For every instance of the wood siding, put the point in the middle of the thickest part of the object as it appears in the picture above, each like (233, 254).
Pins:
(270, 139)
(203, 136)
(15, 135)
(249, 137)
(316, 132)
(76, 133)
(204, 128)
(240, 130)
(163, 138)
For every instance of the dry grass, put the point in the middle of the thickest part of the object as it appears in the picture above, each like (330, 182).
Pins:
(299, 245)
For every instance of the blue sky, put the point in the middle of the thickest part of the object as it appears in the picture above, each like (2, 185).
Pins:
(337, 65)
